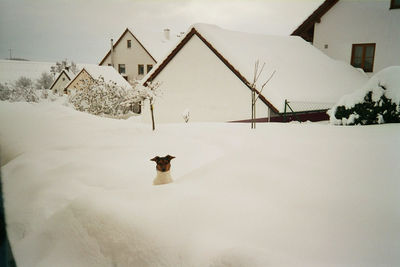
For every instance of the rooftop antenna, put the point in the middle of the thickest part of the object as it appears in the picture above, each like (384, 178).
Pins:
(10, 53)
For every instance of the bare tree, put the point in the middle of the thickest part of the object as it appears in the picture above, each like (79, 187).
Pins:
(255, 94)
(64, 64)
(141, 93)
(151, 94)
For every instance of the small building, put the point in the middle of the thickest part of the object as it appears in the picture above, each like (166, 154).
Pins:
(109, 74)
(210, 73)
(365, 34)
(59, 84)
(134, 54)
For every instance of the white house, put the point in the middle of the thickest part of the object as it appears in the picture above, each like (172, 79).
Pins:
(211, 70)
(364, 33)
(59, 84)
(134, 54)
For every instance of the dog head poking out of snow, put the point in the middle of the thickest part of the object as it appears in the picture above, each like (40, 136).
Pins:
(163, 167)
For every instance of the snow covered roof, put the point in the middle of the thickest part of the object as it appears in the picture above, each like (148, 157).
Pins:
(302, 72)
(315, 17)
(11, 70)
(107, 72)
(153, 42)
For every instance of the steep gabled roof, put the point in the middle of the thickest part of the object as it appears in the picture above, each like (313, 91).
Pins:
(119, 39)
(107, 72)
(153, 43)
(303, 73)
(188, 36)
(67, 73)
(315, 17)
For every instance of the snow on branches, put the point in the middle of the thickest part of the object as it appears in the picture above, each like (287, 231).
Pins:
(64, 64)
(99, 97)
(21, 90)
(142, 93)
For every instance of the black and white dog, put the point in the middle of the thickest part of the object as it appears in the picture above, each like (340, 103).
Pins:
(163, 170)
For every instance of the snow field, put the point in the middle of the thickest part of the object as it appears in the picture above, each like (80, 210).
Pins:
(78, 192)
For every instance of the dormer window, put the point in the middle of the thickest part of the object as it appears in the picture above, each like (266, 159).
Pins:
(129, 43)
(394, 4)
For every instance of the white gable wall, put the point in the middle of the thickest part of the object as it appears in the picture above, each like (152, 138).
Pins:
(59, 86)
(353, 22)
(131, 57)
(196, 79)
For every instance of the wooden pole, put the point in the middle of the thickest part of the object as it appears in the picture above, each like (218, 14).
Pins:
(152, 117)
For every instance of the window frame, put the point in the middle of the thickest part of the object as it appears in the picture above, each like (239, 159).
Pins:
(363, 45)
(119, 68)
(140, 66)
(129, 43)
(393, 5)
(149, 67)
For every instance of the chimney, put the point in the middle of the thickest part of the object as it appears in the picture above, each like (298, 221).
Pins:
(166, 34)
(112, 53)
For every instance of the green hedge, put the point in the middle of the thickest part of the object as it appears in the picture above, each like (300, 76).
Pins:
(370, 112)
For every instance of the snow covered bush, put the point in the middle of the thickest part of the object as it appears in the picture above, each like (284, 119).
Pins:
(99, 97)
(4, 92)
(377, 102)
(20, 91)
(23, 82)
(45, 81)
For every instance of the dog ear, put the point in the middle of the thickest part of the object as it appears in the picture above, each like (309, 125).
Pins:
(169, 157)
(155, 158)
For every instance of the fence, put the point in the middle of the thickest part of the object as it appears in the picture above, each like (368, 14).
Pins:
(302, 111)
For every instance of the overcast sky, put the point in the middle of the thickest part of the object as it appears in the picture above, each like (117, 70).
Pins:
(80, 30)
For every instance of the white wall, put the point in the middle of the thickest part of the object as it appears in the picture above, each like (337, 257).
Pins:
(131, 57)
(367, 21)
(197, 80)
(59, 86)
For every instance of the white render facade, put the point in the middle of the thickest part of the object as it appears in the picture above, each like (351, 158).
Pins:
(350, 23)
(131, 62)
(60, 83)
(198, 81)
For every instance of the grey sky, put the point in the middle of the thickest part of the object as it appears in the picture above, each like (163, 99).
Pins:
(51, 30)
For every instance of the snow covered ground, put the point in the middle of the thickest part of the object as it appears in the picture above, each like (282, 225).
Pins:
(78, 192)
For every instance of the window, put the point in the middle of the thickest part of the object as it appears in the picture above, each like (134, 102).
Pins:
(394, 4)
(121, 68)
(362, 56)
(129, 43)
(63, 79)
(149, 67)
(109, 64)
(140, 69)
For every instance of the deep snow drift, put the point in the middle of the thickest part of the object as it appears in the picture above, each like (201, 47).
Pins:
(78, 192)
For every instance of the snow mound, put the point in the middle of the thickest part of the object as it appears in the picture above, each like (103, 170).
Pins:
(385, 83)
(78, 192)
